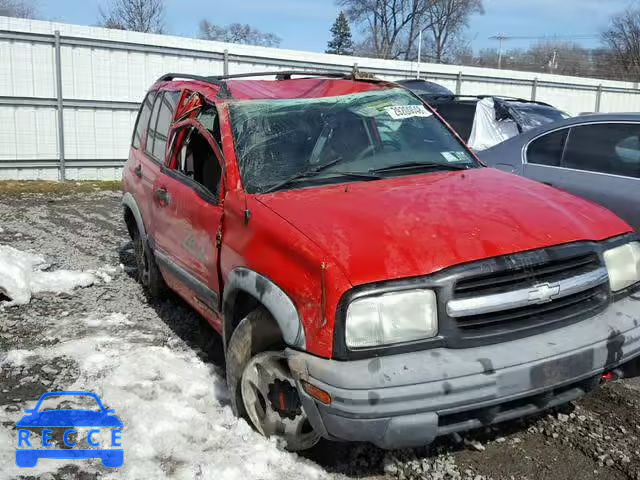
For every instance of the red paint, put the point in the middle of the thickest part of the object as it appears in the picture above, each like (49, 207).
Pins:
(298, 88)
(369, 232)
(410, 226)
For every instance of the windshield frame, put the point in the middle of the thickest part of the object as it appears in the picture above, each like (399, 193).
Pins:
(340, 178)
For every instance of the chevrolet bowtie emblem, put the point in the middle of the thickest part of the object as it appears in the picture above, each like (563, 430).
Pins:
(543, 293)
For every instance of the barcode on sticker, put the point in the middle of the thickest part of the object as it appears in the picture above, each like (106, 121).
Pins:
(398, 112)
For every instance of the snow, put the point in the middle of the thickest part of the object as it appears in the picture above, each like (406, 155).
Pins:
(174, 407)
(24, 275)
(105, 273)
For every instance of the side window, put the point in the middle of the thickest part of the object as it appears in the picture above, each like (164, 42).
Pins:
(160, 122)
(628, 156)
(151, 133)
(197, 161)
(611, 148)
(143, 119)
(547, 150)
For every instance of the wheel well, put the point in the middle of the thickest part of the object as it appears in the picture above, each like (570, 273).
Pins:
(234, 311)
(130, 221)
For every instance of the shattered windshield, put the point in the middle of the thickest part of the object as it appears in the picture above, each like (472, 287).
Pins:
(283, 144)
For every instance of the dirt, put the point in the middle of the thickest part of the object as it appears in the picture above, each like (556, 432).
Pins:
(595, 438)
(15, 188)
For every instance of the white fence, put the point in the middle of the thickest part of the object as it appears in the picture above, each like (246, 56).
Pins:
(90, 80)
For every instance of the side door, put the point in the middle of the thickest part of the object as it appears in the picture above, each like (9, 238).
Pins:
(601, 162)
(137, 156)
(150, 154)
(188, 209)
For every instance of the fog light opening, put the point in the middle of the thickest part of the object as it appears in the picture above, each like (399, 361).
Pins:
(316, 393)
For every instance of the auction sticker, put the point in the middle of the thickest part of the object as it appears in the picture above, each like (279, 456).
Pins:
(400, 112)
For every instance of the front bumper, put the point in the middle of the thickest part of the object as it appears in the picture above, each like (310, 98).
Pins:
(409, 399)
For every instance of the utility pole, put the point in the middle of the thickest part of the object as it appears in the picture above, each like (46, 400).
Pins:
(554, 61)
(419, 54)
(501, 37)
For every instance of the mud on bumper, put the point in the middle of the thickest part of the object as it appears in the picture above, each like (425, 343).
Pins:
(409, 399)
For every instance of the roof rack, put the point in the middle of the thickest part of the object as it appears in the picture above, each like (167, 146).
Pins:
(220, 80)
(482, 97)
(167, 77)
(284, 74)
(355, 74)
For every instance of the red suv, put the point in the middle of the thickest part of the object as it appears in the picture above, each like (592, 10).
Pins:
(372, 281)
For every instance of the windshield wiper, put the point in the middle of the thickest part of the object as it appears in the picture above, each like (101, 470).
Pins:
(416, 165)
(316, 170)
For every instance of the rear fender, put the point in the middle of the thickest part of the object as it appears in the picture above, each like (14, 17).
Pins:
(130, 202)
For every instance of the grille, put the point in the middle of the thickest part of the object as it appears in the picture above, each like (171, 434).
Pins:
(513, 279)
(559, 310)
(504, 279)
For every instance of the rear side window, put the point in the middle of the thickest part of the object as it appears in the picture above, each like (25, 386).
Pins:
(161, 117)
(143, 119)
(547, 150)
(612, 148)
(151, 133)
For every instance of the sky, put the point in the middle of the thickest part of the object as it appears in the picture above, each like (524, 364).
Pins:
(305, 24)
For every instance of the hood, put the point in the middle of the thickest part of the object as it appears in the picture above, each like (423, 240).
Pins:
(417, 225)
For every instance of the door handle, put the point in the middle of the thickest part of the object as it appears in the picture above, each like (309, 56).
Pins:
(163, 197)
(549, 183)
(138, 171)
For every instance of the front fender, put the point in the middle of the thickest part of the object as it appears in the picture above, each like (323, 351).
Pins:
(275, 300)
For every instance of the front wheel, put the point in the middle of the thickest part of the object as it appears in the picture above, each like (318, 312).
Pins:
(263, 389)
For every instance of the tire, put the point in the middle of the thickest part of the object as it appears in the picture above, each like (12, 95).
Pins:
(256, 333)
(148, 275)
(257, 341)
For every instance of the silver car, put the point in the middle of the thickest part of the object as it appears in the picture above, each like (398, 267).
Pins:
(594, 156)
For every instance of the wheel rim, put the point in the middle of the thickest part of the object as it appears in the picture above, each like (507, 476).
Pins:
(268, 397)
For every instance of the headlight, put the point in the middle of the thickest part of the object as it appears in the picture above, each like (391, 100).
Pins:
(391, 318)
(623, 265)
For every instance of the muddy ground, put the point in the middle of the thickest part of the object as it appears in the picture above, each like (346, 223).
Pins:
(597, 437)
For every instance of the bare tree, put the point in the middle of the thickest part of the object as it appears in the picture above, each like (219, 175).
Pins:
(445, 20)
(563, 58)
(237, 33)
(17, 8)
(390, 26)
(136, 15)
(622, 37)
